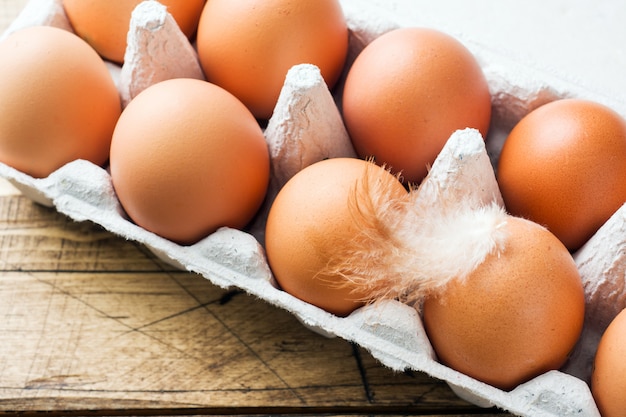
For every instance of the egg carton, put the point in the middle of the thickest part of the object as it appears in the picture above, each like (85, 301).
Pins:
(306, 127)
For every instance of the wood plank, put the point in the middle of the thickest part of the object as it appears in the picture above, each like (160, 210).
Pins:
(144, 339)
(97, 336)
(62, 244)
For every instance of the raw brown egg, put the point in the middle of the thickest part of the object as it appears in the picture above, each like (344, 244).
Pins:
(564, 166)
(58, 101)
(517, 315)
(247, 47)
(608, 380)
(104, 24)
(310, 218)
(407, 92)
(187, 157)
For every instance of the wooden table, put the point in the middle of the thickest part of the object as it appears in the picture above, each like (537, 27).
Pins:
(93, 324)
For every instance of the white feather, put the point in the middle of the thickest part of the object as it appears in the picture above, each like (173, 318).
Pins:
(406, 251)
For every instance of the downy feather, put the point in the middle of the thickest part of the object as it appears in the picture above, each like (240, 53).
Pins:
(405, 251)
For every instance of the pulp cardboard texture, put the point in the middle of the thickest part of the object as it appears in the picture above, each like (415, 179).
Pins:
(307, 127)
(141, 66)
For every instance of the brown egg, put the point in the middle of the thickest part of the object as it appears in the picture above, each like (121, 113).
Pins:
(104, 24)
(407, 92)
(310, 218)
(517, 315)
(58, 101)
(564, 166)
(608, 381)
(187, 157)
(248, 47)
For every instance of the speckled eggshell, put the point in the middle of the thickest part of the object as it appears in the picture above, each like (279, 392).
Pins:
(608, 381)
(516, 316)
(564, 166)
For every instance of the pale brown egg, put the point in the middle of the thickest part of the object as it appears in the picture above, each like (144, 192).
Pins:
(247, 47)
(407, 92)
(58, 102)
(517, 315)
(311, 217)
(564, 166)
(187, 157)
(104, 24)
(608, 380)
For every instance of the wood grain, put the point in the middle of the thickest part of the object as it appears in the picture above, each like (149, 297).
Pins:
(93, 324)
(90, 321)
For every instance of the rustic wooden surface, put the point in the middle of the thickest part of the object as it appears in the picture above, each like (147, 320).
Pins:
(93, 324)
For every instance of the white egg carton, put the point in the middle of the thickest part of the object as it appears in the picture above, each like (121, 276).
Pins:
(307, 127)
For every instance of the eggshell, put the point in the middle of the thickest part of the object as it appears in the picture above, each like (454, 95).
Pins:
(564, 166)
(187, 157)
(57, 100)
(608, 382)
(516, 316)
(407, 92)
(310, 217)
(104, 24)
(248, 47)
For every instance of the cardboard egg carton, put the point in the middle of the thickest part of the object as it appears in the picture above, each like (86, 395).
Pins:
(306, 127)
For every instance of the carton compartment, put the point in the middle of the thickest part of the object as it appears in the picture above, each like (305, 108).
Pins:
(306, 127)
